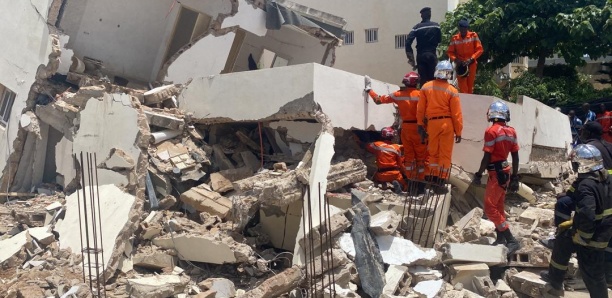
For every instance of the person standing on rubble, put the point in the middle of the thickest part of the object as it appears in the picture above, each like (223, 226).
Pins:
(388, 160)
(500, 141)
(415, 151)
(464, 49)
(575, 126)
(590, 134)
(439, 108)
(591, 228)
(428, 36)
(588, 114)
(605, 119)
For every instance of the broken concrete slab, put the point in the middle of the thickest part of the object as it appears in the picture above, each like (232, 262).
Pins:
(338, 223)
(80, 98)
(115, 206)
(393, 277)
(204, 199)
(164, 120)
(464, 273)
(206, 249)
(42, 235)
(119, 160)
(158, 286)
(12, 246)
(484, 286)
(155, 260)
(280, 283)
(281, 224)
(250, 160)
(223, 288)
(58, 117)
(430, 288)
(159, 94)
(385, 223)
(395, 250)
(527, 283)
(544, 217)
(219, 183)
(220, 160)
(454, 253)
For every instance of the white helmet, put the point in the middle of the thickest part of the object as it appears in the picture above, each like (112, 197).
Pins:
(586, 158)
(444, 70)
(498, 110)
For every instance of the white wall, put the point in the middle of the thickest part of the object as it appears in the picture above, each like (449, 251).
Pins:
(26, 45)
(392, 17)
(130, 37)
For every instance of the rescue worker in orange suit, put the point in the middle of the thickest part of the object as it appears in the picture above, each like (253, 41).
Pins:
(415, 152)
(388, 160)
(464, 49)
(605, 119)
(500, 141)
(439, 106)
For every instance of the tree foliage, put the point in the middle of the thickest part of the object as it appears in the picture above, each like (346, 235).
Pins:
(536, 29)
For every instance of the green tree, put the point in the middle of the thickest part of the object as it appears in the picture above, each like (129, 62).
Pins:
(536, 29)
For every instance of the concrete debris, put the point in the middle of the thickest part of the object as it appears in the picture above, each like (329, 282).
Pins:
(159, 94)
(527, 283)
(12, 246)
(204, 199)
(393, 277)
(155, 260)
(221, 287)
(454, 253)
(395, 251)
(429, 289)
(544, 217)
(465, 273)
(42, 235)
(279, 284)
(385, 223)
(205, 249)
(159, 286)
(164, 120)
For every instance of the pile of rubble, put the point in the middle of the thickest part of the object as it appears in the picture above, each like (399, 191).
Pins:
(194, 207)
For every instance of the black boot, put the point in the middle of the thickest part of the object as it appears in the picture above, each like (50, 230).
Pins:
(501, 239)
(511, 243)
(420, 188)
(397, 187)
(552, 288)
(439, 186)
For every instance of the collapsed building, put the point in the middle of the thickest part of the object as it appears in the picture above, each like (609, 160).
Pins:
(215, 181)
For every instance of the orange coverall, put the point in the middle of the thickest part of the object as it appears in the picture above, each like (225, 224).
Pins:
(605, 119)
(464, 49)
(439, 103)
(500, 140)
(388, 162)
(415, 153)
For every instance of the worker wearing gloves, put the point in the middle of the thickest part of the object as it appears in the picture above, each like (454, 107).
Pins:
(500, 141)
(415, 151)
(388, 160)
(428, 36)
(464, 49)
(591, 229)
(439, 106)
(591, 134)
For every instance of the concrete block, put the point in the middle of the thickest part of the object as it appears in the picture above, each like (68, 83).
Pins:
(42, 235)
(159, 94)
(385, 223)
(545, 217)
(278, 284)
(219, 183)
(527, 283)
(394, 250)
(421, 273)
(206, 249)
(394, 275)
(281, 224)
(472, 219)
(165, 120)
(156, 260)
(339, 223)
(84, 93)
(484, 286)
(155, 286)
(430, 288)
(502, 286)
(12, 246)
(205, 200)
(223, 288)
(454, 253)
(463, 273)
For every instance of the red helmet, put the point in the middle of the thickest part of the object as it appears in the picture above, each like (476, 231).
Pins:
(388, 133)
(411, 79)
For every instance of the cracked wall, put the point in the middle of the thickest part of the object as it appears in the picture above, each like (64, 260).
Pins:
(24, 57)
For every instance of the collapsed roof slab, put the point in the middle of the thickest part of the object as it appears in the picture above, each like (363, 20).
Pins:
(287, 93)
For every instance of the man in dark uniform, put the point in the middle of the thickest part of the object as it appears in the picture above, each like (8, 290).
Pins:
(428, 36)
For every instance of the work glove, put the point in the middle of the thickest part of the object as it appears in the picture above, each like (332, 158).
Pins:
(467, 62)
(457, 139)
(422, 133)
(368, 84)
(514, 183)
(477, 179)
(565, 225)
(577, 239)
